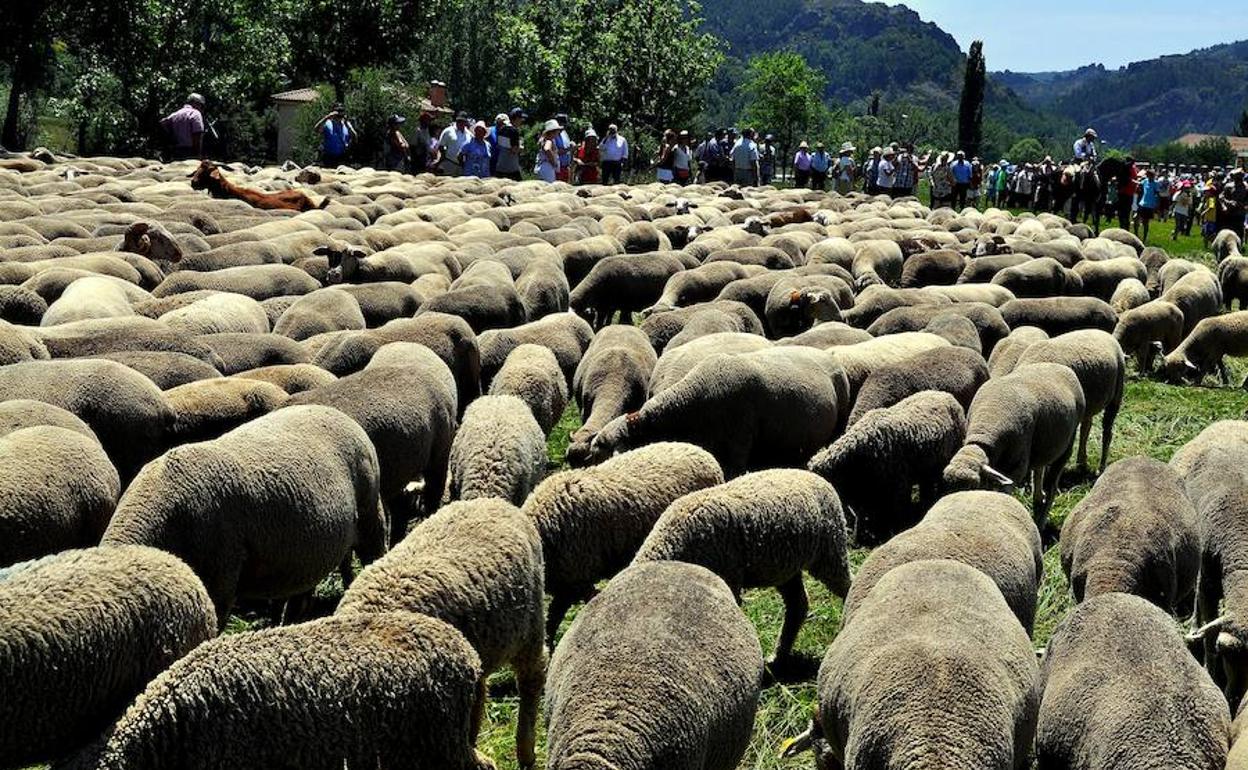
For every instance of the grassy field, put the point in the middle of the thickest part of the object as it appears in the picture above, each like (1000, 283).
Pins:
(1156, 420)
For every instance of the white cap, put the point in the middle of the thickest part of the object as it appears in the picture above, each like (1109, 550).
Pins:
(552, 125)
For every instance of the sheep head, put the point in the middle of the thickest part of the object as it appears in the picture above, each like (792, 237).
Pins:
(611, 439)
(816, 305)
(206, 176)
(1175, 368)
(969, 469)
(344, 262)
(151, 241)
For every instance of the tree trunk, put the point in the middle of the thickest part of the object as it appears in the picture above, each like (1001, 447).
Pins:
(8, 137)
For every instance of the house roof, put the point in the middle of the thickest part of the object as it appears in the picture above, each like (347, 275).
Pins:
(1239, 144)
(298, 95)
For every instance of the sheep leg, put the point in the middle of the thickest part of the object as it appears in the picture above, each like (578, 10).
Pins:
(796, 605)
(560, 603)
(530, 677)
(1038, 509)
(1084, 429)
(478, 711)
(346, 570)
(1226, 375)
(1108, 417)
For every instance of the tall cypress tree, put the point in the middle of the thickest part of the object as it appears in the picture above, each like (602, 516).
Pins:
(971, 108)
(1241, 128)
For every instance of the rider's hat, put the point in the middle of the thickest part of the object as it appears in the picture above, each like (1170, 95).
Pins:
(1090, 132)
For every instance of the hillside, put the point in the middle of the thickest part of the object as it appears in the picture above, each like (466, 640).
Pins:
(1146, 102)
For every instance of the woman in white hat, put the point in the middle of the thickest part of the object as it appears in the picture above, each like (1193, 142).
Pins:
(801, 164)
(547, 154)
(846, 169)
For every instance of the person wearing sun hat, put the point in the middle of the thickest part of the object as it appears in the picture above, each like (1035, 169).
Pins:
(185, 128)
(1234, 202)
(846, 169)
(886, 176)
(547, 165)
(510, 145)
(871, 172)
(801, 164)
(819, 165)
(587, 159)
(450, 143)
(395, 156)
(474, 156)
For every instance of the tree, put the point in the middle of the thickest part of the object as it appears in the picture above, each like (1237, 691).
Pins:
(971, 107)
(1241, 128)
(26, 46)
(1026, 150)
(783, 95)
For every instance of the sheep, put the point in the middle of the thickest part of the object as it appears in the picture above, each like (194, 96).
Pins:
(1135, 533)
(21, 305)
(1025, 422)
(930, 268)
(934, 678)
(1143, 330)
(543, 289)
(785, 403)
(693, 688)
(1170, 273)
(498, 451)
(218, 314)
(392, 688)
(1101, 278)
(1005, 355)
(17, 344)
(1058, 315)
(1225, 244)
(259, 282)
(580, 256)
(1097, 360)
(1233, 281)
(323, 310)
(989, 325)
(240, 351)
(753, 291)
(125, 410)
(879, 460)
(982, 269)
(302, 488)
(1130, 294)
(593, 520)
(700, 284)
(207, 409)
(862, 358)
(404, 263)
(625, 284)
(642, 238)
(165, 369)
(662, 327)
(408, 408)
(767, 257)
(565, 334)
(384, 301)
(612, 379)
(58, 493)
(989, 531)
(532, 374)
(874, 301)
(477, 566)
(19, 413)
(93, 297)
(797, 303)
(111, 335)
(959, 372)
(760, 530)
(1121, 691)
(876, 262)
(987, 293)
(1204, 348)
(1043, 277)
(958, 330)
(828, 334)
(1198, 294)
(1237, 759)
(292, 378)
(83, 632)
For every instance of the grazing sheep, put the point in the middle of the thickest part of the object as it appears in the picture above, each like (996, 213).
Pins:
(393, 689)
(782, 403)
(1129, 294)
(693, 687)
(932, 268)
(499, 451)
(942, 677)
(760, 530)
(240, 351)
(165, 369)
(218, 314)
(882, 457)
(959, 331)
(797, 303)
(989, 531)
(876, 262)
(567, 335)
(1198, 294)
(17, 344)
(124, 409)
(259, 282)
(19, 413)
(593, 520)
(989, 325)
(580, 256)
(828, 334)
(957, 371)
(1135, 533)
(1097, 360)
(532, 374)
(98, 296)
(302, 488)
(700, 284)
(384, 301)
(484, 295)
(478, 566)
(323, 310)
(407, 406)
(662, 327)
(1044, 277)
(57, 492)
(767, 257)
(1205, 346)
(1058, 315)
(1143, 330)
(1004, 358)
(1121, 692)
(81, 633)
(1225, 244)
(1024, 423)
(292, 378)
(982, 269)
(862, 358)
(1233, 281)
(1101, 278)
(625, 284)
(876, 300)
(612, 379)
(209, 409)
(543, 289)
(20, 305)
(987, 293)
(1170, 273)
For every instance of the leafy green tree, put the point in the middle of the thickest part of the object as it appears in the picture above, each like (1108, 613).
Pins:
(971, 107)
(783, 95)
(26, 47)
(1026, 150)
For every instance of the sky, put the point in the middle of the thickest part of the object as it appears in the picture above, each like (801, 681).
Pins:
(1142, 29)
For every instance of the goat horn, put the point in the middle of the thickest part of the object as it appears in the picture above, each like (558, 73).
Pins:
(1213, 625)
(794, 746)
(998, 475)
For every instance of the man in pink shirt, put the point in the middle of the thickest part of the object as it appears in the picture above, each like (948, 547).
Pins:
(185, 129)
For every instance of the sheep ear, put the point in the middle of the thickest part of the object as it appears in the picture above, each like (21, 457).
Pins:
(356, 254)
(139, 228)
(322, 251)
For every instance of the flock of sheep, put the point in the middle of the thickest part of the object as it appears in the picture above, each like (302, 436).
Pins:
(207, 404)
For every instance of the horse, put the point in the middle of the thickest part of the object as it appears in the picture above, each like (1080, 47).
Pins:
(209, 177)
(1083, 184)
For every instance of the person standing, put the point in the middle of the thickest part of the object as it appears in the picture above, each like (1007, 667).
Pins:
(337, 136)
(907, 173)
(682, 159)
(395, 156)
(563, 143)
(745, 160)
(422, 141)
(871, 174)
(801, 165)
(1209, 212)
(1182, 208)
(977, 181)
(510, 146)
(587, 159)
(1044, 185)
(767, 160)
(819, 165)
(547, 165)
(940, 181)
(960, 170)
(185, 129)
(450, 143)
(665, 159)
(1165, 193)
(1234, 202)
(491, 139)
(846, 169)
(474, 156)
(1126, 192)
(614, 153)
(1149, 198)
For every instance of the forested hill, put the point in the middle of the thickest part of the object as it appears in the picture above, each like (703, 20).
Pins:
(1146, 102)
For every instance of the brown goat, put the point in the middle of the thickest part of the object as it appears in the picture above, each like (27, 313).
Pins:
(209, 177)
